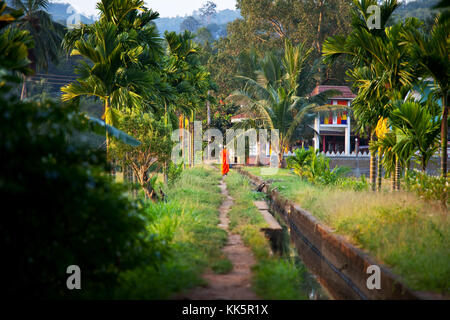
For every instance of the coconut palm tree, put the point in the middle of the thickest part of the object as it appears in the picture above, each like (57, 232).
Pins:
(431, 53)
(47, 34)
(277, 97)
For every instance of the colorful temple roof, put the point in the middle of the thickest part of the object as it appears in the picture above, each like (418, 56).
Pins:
(345, 92)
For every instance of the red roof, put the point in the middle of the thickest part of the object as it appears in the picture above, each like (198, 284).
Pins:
(346, 93)
(239, 116)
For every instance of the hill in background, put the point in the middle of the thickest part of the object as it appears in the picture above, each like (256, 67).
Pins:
(61, 12)
(217, 25)
(421, 9)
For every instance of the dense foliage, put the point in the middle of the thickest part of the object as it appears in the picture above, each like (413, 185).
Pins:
(64, 209)
(428, 187)
(315, 167)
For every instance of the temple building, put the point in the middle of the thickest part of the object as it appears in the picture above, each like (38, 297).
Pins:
(333, 130)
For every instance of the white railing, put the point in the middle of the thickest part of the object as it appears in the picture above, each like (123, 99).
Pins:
(337, 154)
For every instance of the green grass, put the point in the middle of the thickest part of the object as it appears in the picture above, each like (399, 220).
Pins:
(188, 223)
(274, 278)
(408, 234)
(222, 266)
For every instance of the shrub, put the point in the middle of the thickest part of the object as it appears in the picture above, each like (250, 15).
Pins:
(315, 167)
(360, 184)
(428, 187)
(174, 172)
(61, 208)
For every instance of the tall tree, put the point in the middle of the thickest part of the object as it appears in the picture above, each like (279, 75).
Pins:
(265, 26)
(14, 46)
(208, 11)
(369, 104)
(431, 52)
(277, 97)
(123, 49)
(47, 34)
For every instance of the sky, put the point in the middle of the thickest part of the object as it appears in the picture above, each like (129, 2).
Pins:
(166, 8)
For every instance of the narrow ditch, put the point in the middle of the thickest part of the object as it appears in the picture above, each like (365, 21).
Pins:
(283, 246)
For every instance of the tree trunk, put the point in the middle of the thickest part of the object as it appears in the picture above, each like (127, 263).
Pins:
(380, 172)
(444, 133)
(191, 127)
(393, 181)
(398, 170)
(373, 168)
(23, 94)
(258, 150)
(165, 165)
(319, 27)
(208, 123)
(107, 106)
(280, 160)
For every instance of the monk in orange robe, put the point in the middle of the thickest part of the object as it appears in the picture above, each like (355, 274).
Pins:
(225, 164)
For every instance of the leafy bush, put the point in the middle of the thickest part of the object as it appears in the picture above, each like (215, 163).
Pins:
(315, 167)
(61, 208)
(428, 187)
(360, 184)
(174, 172)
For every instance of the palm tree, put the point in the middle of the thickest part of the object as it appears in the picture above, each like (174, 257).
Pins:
(381, 69)
(417, 128)
(367, 111)
(121, 50)
(14, 44)
(277, 98)
(431, 52)
(47, 34)
(188, 78)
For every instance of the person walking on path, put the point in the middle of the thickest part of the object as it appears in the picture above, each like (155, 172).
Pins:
(225, 163)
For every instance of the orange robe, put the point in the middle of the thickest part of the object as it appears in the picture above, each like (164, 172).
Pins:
(225, 164)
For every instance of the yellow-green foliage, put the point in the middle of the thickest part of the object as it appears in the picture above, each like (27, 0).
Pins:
(405, 232)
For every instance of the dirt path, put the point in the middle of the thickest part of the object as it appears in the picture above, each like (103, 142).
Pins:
(236, 285)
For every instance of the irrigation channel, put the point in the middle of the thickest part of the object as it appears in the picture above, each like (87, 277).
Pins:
(338, 266)
(282, 245)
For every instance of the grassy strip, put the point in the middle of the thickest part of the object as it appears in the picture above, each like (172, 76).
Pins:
(188, 223)
(273, 278)
(406, 233)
